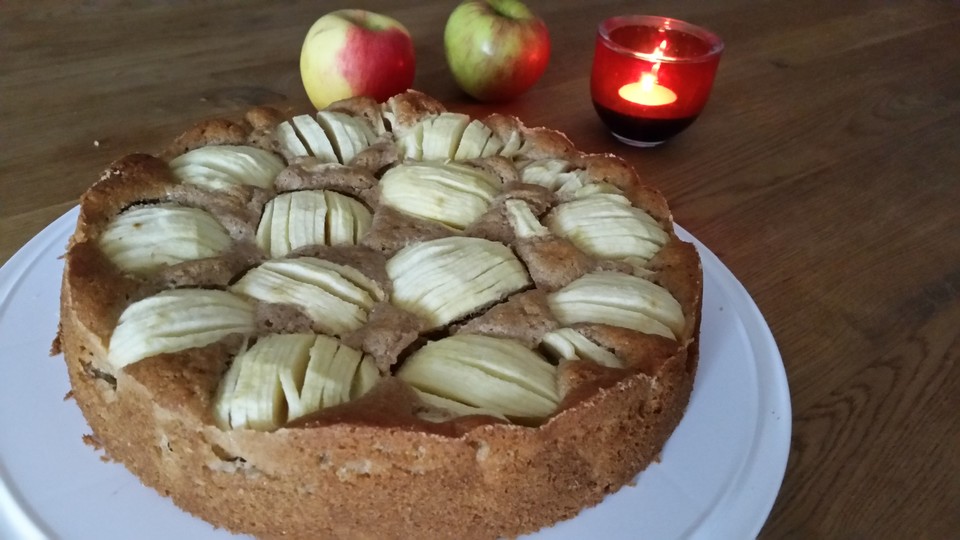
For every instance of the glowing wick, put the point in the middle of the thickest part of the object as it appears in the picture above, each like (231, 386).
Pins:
(647, 91)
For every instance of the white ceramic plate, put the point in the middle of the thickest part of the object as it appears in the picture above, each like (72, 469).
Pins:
(718, 478)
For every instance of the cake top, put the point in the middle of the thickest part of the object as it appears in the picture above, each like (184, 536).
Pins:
(390, 264)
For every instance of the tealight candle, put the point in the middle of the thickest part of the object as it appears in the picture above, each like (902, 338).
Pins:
(647, 92)
(652, 76)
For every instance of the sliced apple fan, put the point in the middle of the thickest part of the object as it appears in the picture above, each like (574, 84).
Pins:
(222, 167)
(285, 377)
(334, 137)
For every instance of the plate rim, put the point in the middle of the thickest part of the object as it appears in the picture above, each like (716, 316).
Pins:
(771, 442)
(776, 444)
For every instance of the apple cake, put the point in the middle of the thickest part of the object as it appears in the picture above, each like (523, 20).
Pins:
(379, 321)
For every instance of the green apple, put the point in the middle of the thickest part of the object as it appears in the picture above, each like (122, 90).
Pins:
(352, 52)
(496, 49)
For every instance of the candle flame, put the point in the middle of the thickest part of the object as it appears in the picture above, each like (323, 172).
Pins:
(647, 81)
(647, 91)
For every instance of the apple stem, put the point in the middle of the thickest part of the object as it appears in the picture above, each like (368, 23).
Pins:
(511, 9)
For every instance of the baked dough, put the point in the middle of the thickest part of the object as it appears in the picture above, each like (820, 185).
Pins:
(379, 321)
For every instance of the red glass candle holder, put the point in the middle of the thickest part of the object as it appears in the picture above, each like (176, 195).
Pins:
(652, 76)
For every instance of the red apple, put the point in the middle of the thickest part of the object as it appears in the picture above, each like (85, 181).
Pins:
(496, 49)
(352, 52)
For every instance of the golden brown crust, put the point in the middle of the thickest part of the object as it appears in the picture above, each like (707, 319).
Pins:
(132, 179)
(263, 118)
(376, 157)
(237, 209)
(678, 270)
(309, 173)
(374, 467)
(214, 272)
(387, 334)
(392, 230)
(498, 166)
(408, 108)
(100, 291)
(553, 262)
(361, 107)
(616, 171)
(644, 352)
(525, 317)
(208, 132)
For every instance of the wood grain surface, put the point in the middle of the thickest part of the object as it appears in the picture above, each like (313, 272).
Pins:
(824, 172)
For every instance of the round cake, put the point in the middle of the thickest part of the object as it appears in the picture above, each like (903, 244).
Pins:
(379, 321)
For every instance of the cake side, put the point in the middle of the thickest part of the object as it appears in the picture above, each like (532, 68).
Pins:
(355, 481)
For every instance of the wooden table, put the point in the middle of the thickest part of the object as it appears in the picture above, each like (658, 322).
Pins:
(825, 172)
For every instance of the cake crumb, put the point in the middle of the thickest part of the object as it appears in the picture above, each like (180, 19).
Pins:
(92, 441)
(56, 347)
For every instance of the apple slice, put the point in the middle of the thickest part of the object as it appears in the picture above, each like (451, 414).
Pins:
(474, 139)
(262, 381)
(284, 377)
(482, 372)
(176, 320)
(608, 191)
(521, 218)
(142, 239)
(313, 217)
(544, 172)
(454, 407)
(222, 167)
(349, 135)
(337, 298)
(336, 374)
(566, 344)
(410, 141)
(315, 139)
(452, 193)
(510, 147)
(553, 174)
(356, 277)
(492, 147)
(289, 141)
(442, 135)
(347, 221)
(443, 280)
(619, 300)
(604, 223)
